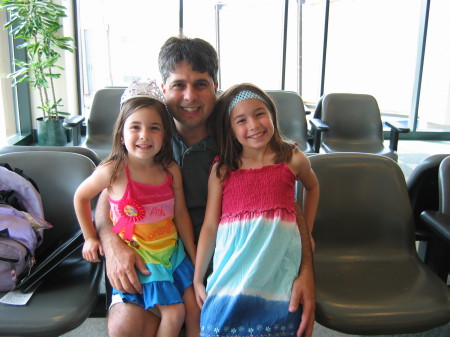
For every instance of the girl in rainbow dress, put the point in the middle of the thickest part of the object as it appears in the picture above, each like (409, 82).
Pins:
(250, 224)
(148, 209)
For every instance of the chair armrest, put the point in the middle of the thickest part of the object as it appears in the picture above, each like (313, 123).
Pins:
(398, 126)
(74, 123)
(438, 222)
(396, 129)
(318, 124)
(317, 127)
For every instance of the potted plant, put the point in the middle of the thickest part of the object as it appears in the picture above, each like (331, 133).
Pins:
(37, 23)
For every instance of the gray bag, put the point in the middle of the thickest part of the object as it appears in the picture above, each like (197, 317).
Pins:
(16, 260)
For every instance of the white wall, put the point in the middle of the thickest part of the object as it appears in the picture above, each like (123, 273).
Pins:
(7, 123)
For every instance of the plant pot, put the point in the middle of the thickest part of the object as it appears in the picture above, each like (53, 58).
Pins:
(51, 132)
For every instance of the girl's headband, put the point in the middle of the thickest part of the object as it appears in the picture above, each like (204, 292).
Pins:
(242, 96)
(143, 88)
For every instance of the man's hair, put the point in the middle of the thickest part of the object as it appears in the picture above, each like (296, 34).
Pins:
(197, 52)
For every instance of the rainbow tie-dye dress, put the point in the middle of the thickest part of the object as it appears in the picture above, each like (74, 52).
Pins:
(257, 257)
(144, 219)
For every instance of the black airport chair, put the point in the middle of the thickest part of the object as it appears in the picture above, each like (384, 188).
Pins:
(369, 278)
(68, 294)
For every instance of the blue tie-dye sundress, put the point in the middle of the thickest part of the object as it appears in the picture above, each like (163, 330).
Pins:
(257, 257)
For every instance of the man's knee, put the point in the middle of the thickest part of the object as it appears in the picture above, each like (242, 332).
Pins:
(127, 319)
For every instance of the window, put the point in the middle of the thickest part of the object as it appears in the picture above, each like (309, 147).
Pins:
(372, 49)
(312, 37)
(250, 42)
(120, 41)
(372, 46)
(434, 108)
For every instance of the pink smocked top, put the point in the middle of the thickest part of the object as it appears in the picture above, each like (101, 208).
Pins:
(257, 190)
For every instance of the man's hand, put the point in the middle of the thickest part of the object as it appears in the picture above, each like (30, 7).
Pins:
(121, 260)
(303, 292)
(121, 265)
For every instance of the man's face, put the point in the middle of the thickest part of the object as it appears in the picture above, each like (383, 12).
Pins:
(190, 96)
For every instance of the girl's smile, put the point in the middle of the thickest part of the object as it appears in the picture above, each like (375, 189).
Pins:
(256, 135)
(144, 146)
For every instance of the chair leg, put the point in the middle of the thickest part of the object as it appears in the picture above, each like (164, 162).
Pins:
(438, 257)
(422, 247)
(108, 290)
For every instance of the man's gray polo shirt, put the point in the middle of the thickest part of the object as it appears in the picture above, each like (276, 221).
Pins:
(195, 163)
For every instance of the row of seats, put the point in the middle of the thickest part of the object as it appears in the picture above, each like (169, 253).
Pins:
(422, 184)
(349, 264)
(105, 108)
(369, 278)
(341, 123)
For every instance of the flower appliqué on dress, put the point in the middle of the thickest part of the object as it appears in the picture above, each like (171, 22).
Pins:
(131, 212)
(241, 331)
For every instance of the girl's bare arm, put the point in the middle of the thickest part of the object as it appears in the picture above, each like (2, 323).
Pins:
(207, 240)
(89, 188)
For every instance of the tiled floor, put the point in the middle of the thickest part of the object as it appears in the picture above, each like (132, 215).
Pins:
(410, 154)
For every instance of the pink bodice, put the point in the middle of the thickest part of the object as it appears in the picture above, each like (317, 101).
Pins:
(256, 190)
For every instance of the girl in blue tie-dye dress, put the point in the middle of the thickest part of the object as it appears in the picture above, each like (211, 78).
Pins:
(250, 224)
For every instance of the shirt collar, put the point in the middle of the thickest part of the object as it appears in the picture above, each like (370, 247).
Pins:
(207, 143)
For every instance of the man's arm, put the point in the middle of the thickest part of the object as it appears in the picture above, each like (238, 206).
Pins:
(121, 260)
(303, 289)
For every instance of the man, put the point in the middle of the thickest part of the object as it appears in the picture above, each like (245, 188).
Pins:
(189, 73)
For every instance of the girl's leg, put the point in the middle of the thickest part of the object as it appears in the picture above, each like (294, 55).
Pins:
(192, 313)
(172, 318)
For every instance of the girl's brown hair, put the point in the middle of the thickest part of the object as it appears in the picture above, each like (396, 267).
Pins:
(119, 152)
(230, 149)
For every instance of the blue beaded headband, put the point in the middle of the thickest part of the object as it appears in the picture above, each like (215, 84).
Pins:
(242, 96)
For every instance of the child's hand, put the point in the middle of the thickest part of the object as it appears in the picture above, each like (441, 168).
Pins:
(90, 250)
(200, 293)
